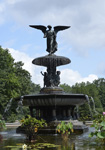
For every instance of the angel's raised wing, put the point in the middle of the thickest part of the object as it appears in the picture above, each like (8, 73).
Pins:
(59, 28)
(40, 27)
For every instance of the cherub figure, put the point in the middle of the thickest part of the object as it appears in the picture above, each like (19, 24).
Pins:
(45, 78)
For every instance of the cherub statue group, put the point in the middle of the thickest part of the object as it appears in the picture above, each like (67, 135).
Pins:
(51, 80)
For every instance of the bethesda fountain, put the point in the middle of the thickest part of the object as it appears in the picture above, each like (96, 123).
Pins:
(52, 103)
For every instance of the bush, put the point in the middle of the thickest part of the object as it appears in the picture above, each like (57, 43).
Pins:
(99, 125)
(2, 124)
(31, 126)
(65, 129)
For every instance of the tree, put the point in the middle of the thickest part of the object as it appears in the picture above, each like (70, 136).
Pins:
(14, 81)
(66, 88)
(8, 79)
(92, 91)
(100, 84)
(95, 92)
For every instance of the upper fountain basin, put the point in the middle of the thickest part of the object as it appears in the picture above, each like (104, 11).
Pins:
(52, 60)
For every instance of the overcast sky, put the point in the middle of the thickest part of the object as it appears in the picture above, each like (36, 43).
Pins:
(83, 43)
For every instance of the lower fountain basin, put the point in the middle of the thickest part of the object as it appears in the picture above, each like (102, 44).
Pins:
(52, 103)
(54, 99)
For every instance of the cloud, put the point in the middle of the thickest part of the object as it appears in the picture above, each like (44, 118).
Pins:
(86, 34)
(68, 76)
(2, 13)
(13, 1)
(71, 77)
(33, 69)
(85, 17)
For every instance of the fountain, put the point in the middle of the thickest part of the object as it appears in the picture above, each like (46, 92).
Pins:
(52, 103)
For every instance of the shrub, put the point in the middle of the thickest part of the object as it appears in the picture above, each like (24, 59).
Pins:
(2, 124)
(99, 125)
(65, 129)
(31, 126)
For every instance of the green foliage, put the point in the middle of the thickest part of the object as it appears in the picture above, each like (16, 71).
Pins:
(65, 128)
(85, 113)
(66, 88)
(7, 78)
(11, 118)
(99, 125)
(85, 118)
(2, 124)
(100, 84)
(14, 82)
(36, 146)
(31, 126)
(96, 90)
(35, 88)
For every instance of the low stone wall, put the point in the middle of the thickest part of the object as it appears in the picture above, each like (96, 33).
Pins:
(88, 123)
(13, 125)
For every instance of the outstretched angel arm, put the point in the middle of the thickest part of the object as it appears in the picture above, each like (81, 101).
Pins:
(59, 28)
(40, 27)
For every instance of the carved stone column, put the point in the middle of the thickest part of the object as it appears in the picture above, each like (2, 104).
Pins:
(41, 113)
(64, 113)
(69, 113)
(37, 113)
(31, 111)
(54, 114)
(73, 113)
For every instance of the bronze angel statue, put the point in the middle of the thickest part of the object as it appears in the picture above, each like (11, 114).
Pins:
(50, 35)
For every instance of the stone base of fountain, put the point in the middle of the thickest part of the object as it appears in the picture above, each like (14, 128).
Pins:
(78, 127)
(54, 105)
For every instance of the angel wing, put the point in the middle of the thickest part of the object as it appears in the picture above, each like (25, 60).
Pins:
(40, 27)
(59, 28)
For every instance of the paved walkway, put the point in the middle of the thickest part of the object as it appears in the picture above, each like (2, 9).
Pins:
(15, 124)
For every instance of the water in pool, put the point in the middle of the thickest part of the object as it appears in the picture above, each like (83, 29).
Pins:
(75, 142)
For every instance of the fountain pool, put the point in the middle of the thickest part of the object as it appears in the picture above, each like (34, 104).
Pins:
(75, 142)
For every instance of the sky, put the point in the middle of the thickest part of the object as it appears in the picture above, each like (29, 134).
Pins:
(83, 43)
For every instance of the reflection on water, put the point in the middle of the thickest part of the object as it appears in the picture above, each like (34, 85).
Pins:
(75, 142)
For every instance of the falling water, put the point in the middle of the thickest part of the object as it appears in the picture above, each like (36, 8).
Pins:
(19, 109)
(8, 106)
(94, 109)
(20, 105)
(77, 108)
(90, 107)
